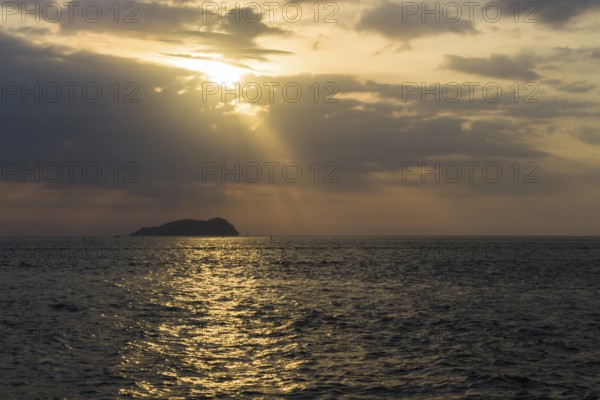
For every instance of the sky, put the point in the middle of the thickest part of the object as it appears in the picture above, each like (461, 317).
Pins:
(301, 118)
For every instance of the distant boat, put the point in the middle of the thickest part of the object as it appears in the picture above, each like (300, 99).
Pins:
(117, 236)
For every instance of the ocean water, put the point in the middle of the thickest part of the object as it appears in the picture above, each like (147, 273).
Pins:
(300, 318)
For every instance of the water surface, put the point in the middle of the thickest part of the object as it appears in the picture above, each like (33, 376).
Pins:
(328, 318)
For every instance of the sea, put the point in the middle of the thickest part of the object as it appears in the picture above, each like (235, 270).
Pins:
(300, 318)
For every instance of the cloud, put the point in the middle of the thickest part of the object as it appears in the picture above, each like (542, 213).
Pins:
(589, 135)
(233, 34)
(236, 37)
(556, 13)
(146, 19)
(577, 87)
(497, 66)
(392, 21)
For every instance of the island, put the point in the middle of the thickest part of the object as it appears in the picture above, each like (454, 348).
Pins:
(190, 227)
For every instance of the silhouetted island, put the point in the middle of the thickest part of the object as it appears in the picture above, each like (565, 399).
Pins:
(190, 227)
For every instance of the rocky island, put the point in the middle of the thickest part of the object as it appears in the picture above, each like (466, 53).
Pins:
(190, 227)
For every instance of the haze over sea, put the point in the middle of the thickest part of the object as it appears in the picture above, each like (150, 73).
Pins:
(316, 317)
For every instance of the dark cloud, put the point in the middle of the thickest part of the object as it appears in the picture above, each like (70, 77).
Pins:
(209, 58)
(389, 19)
(235, 38)
(589, 135)
(497, 66)
(230, 46)
(396, 21)
(556, 13)
(569, 54)
(147, 19)
(577, 87)
(231, 33)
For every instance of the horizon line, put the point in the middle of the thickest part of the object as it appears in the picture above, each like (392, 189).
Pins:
(117, 236)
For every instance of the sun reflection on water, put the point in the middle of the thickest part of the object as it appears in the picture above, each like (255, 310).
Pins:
(219, 330)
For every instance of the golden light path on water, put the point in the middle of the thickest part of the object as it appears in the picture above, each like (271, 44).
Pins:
(220, 331)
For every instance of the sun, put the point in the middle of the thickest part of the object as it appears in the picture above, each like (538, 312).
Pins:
(221, 72)
(218, 72)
